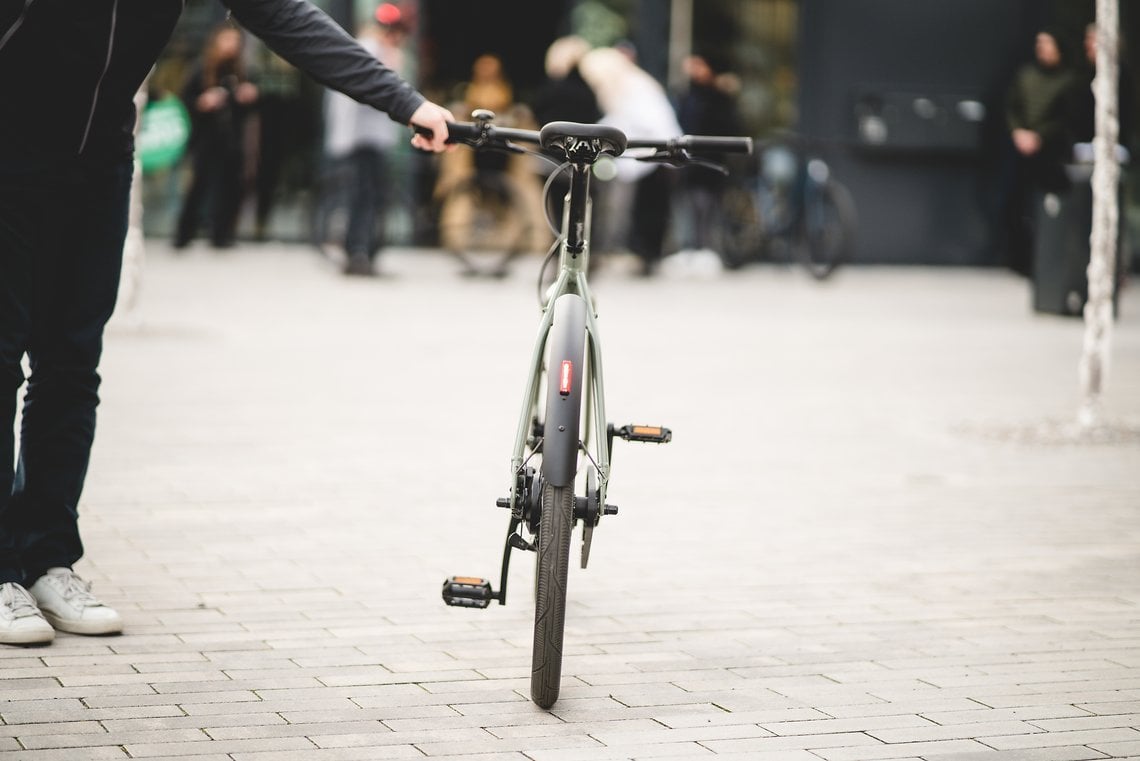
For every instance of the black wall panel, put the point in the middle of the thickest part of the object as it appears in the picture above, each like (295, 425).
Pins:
(906, 96)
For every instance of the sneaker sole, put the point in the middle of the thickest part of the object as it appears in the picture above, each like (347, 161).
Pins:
(82, 627)
(27, 637)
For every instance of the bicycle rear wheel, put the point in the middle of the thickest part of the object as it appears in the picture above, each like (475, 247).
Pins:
(551, 570)
(742, 240)
(829, 229)
(566, 378)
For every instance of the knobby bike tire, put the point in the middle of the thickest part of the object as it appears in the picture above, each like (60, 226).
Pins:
(551, 572)
(829, 230)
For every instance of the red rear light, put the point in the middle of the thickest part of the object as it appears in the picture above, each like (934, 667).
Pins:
(566, 378)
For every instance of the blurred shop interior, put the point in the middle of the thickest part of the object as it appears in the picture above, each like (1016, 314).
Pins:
(923, 179)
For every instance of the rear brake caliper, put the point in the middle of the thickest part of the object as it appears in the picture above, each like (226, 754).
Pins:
(526, 504)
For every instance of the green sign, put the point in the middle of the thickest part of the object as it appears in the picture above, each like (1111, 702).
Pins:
(163, 134)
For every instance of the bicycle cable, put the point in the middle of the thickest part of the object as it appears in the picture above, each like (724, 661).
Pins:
(550, 221)
(546, 189)
(542, 269)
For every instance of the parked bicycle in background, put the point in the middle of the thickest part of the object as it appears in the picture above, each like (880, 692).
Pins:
(488, 207)
(789, 207)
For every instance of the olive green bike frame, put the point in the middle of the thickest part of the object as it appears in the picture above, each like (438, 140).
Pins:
(571, 279)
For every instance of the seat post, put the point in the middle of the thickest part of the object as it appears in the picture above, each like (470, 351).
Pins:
(581, 144)
(579, 197)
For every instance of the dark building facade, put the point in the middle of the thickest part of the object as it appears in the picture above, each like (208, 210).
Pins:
(908, 100)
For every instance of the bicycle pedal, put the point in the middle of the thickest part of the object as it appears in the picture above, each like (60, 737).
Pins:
(655, 434)
(467, 592)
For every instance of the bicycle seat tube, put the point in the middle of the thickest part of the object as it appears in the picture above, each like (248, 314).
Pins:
(575, 246)
(571, 279)
(578, 209)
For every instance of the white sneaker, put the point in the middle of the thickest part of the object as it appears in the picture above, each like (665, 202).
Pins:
(21, 622)
(68, 605)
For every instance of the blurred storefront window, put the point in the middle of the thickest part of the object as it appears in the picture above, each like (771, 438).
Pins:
(752, 39)
(756, 40)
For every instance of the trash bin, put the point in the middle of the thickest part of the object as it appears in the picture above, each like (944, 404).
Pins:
(1062, 226)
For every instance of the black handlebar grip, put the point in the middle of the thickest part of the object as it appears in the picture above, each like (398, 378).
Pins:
(716, 144)
(456, 131)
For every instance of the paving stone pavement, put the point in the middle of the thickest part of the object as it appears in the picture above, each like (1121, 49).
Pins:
(866, 541)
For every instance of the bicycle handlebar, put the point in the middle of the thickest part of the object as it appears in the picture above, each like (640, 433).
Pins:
(699, 143)
(474, 133)
(484, 133)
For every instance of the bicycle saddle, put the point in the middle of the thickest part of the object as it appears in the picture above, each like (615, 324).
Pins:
(584, 142)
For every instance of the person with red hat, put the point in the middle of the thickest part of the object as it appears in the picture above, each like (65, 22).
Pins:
(357, 141)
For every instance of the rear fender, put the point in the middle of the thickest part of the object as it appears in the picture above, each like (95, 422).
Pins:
(566, 379)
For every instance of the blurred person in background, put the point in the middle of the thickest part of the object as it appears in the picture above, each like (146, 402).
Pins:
(638, 200)
(707, 107)
(1036, 115)
(627, 49)
(1082, 126)
(504, 182)
(1082, 104)
(565, 96)
(65, 178)
(358, 137)
(220, 99)
(283, 123)
(488, 89)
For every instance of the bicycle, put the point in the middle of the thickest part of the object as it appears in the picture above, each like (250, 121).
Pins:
(790, 206)
(563, 412)
(483, 220)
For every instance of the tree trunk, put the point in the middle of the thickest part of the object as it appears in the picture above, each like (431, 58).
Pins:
(1098, 313)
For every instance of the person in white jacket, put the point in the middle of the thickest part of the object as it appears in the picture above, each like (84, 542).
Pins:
(638, 202)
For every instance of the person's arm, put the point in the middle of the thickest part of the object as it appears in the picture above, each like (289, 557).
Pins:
(1015, 104)
(306, 37)
(1055, 129)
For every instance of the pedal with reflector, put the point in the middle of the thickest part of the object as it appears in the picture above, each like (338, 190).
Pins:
(468, 592)
(653, 434)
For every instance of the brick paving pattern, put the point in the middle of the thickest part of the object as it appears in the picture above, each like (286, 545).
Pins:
(850, 551)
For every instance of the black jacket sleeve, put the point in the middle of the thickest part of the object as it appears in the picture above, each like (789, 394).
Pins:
(306, 37)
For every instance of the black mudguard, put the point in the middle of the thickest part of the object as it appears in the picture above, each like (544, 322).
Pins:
(567, 343)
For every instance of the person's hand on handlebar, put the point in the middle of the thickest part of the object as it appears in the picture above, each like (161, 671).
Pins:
(434, 118)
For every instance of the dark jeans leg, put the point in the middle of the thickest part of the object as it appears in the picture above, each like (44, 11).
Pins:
(362, 236)
(227, 197)
(190, 216)
(75, 276)
(15, 332)
(651, 215)
(274, 127)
